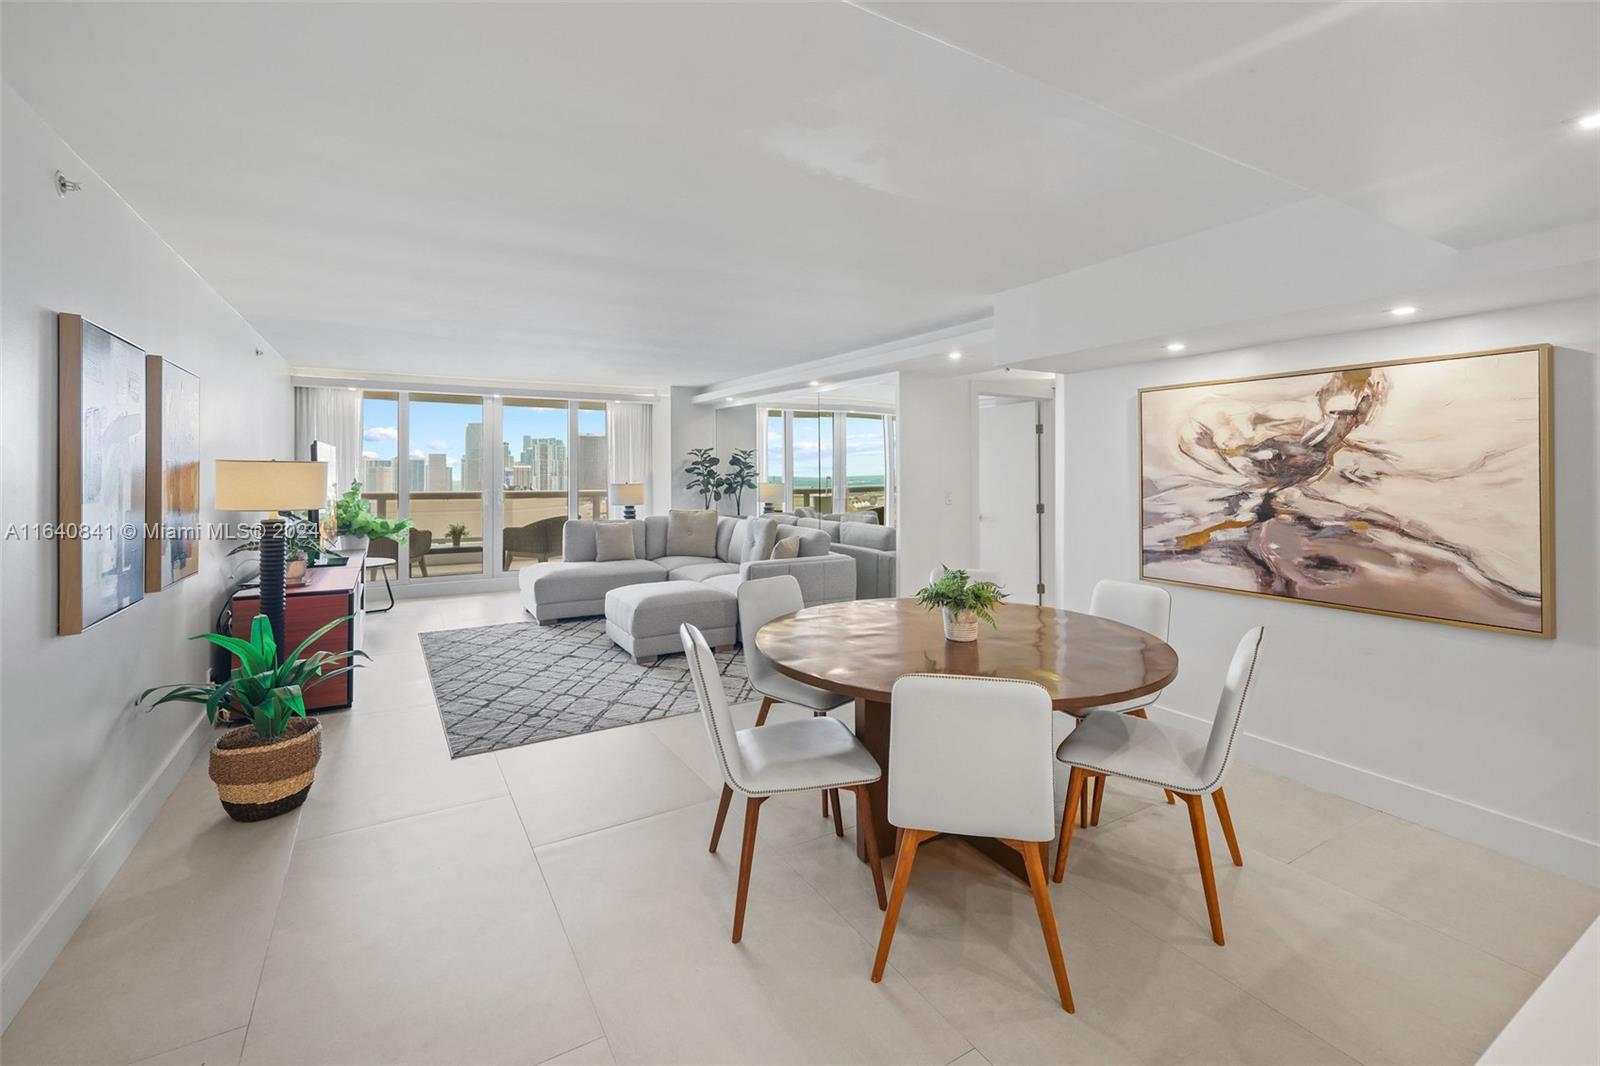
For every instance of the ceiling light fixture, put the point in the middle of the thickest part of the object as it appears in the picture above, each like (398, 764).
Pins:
(1176, 346)
(1403, 310)
(955, 355)
(1590, 122)
(813, 384)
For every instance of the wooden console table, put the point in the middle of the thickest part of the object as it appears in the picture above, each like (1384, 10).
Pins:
(330, 592)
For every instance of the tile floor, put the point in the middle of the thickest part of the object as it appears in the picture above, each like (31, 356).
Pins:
(556, 904)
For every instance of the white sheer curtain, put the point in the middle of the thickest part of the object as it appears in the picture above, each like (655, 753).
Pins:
(332, 415)
(628, 439)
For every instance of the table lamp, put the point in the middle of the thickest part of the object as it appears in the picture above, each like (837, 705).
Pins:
(771, 493)
(271, 486)
(630, 494)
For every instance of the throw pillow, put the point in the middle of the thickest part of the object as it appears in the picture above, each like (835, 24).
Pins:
(613, 541)
(787, 548)
(692, 533)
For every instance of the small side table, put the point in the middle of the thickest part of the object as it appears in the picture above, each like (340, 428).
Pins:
(382, 566)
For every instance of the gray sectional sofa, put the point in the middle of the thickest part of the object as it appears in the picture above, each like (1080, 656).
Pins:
(873, 547)
(578, 585)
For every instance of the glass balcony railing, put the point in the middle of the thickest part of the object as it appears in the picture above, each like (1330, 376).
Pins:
(434, 553)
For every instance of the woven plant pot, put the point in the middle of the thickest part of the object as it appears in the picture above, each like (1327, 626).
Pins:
(258, 779)
(962, 626)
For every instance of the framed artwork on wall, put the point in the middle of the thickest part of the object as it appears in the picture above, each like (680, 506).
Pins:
(172, 465)
(100, 490)
(1417, 488)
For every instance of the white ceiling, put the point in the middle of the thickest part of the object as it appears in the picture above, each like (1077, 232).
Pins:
(685, 193)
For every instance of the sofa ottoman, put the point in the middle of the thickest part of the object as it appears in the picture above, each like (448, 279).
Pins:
(643, 620)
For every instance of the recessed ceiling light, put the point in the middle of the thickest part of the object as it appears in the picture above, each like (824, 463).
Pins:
(352, 388)
(1590, 122)
(955, 355)
(1176, 346)
(813, 384)
(1403, 310)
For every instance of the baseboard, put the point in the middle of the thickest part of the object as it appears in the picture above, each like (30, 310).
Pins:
(1540, 845)
(32, 959)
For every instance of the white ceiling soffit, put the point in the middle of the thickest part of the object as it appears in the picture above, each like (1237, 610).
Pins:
(650, 193)
(1450, 121)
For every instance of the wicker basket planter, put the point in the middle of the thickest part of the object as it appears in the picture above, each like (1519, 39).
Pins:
(960, 625)
(258, 779)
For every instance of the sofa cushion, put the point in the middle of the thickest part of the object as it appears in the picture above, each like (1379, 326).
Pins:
(658, 610)
(787, 548)
(613, 542)
(669, 563)
(702, 570)
(761, 535)
(812, 541)
(863, 535)
(578, 540)
(692, 533)
(655, 536)
(549, 583)
(731, 535)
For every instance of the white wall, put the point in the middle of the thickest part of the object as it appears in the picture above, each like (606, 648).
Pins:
(1486, 736)
(692, 426)
(936, 470)
(736, 428)
(84, 772)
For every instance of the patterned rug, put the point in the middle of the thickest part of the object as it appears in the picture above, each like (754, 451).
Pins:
(509, 685)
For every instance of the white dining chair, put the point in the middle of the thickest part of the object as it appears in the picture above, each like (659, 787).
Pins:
(1142, 750)
(805, 755)
(968, 757)
(1142, 606)
(760, 601)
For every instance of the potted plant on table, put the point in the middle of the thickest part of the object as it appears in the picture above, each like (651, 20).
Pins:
(357, 524)
(265, 768)
(302, 547)
(964, 602)
(455, 533)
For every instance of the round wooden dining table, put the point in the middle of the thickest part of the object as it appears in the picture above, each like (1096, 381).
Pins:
(860, 648)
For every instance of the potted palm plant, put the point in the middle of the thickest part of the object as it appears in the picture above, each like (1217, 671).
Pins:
(964, 602)
(265, 768)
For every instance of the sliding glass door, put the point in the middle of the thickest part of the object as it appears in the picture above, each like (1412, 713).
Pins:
(830, 460)
(866, 461)
(448, 466)
(534, 495)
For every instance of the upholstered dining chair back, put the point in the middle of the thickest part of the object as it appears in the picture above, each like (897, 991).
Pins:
(973, 575)
(1133, 604)
(1230, 708)
(971, 755)
(760, 601)
(713, 705)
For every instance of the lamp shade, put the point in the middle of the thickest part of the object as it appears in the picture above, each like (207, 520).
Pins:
(270, 485)
(628, 493)
(771, 492)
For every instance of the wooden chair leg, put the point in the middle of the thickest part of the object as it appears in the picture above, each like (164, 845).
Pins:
(904, 857)
(1202, 850)
(864, 826)
(752, 812)
(1033, 859)
(766, 705)
(1226, 819)
(1074, 797)
(722, 816)
(1088, 793)
(838, 819)
(1170, 799)
(1099, 797)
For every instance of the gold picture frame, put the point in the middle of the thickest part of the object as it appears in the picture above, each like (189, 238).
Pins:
(1219, 458)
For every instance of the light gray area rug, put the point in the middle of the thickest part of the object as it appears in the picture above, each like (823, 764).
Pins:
(508, 685)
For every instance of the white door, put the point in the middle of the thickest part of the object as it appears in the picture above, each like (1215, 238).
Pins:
(1008, 495)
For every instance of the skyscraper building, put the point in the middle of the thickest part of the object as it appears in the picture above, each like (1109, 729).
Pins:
(472, 459)
(437, 477)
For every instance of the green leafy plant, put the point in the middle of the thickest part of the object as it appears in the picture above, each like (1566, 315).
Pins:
(455, 533)
(956, 592)
(740, 476)
(262, 690)
(703, 476)
(355, 517)
(301, 540)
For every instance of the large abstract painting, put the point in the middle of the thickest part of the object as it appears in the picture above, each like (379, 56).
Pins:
(172, 460)
(1418, 488)
(100, 483)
